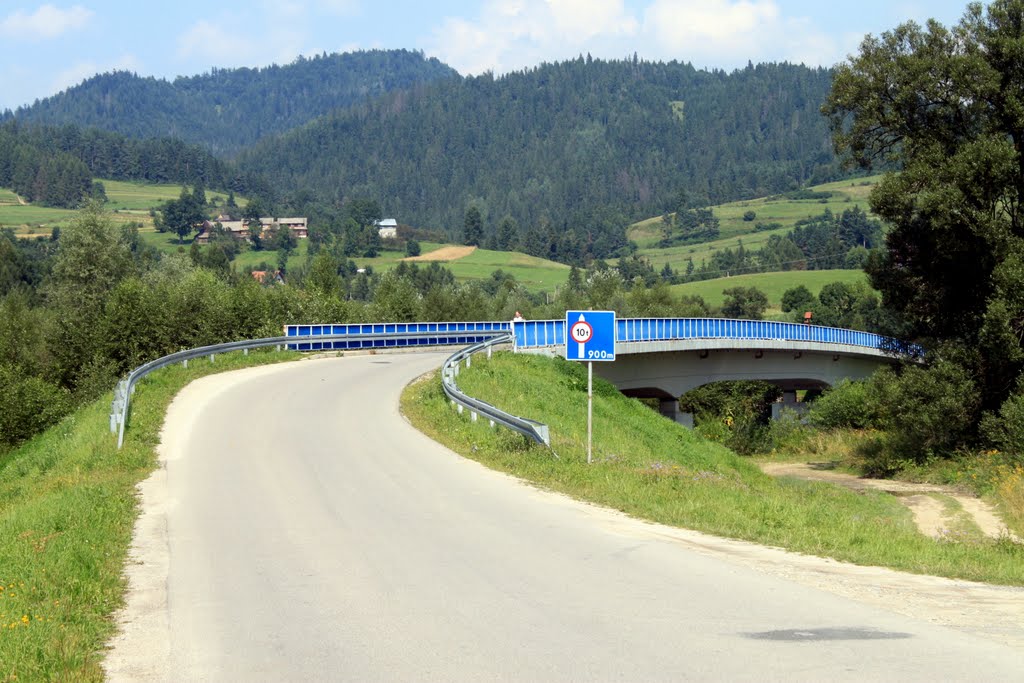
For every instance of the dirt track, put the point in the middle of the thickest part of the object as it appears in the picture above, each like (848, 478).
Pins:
(443, 254)
(929, 513)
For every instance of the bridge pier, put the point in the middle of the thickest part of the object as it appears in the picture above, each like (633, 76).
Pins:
(789, 402)
(669, 408)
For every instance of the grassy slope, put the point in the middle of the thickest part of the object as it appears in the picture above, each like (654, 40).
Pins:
(772, 284)
(67, 507)
(845, 195)
(656, 470)
(127, 202)
(532, 272)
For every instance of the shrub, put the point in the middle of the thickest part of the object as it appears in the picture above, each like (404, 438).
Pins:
(847, 404)
(927, 411)
(749, 216)
(28, 405)
(1007, 430)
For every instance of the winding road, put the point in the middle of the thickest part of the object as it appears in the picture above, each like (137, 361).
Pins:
(301, 530)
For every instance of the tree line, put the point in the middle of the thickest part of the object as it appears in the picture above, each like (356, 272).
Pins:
(825, 242)
(55, 166)
(228, 109)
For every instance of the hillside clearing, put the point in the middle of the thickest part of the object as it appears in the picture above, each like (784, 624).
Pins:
(450, 253)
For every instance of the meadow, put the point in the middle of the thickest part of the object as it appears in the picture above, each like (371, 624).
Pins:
(536, 274)
(845, 194)
(774, 285)
(127, 202)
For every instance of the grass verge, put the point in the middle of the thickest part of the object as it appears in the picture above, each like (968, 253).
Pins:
(653, 469)
(67, 508)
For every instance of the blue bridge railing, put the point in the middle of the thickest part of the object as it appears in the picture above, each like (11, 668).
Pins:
(537, 333)
(412, 334)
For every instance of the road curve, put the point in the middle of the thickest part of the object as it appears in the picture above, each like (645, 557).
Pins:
(301, 530)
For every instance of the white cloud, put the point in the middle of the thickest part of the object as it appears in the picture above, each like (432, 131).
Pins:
(728, 33)
(682, 22)
(511, 34)
(215, 45)
(45, 23)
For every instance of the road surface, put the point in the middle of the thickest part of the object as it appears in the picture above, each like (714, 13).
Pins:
(301, 530)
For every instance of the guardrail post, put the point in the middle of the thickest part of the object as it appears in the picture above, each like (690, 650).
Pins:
(184, 363)
(245, 352)
(211, 357)
(489, 352)
(469, 361)
(277, 348)
(472, 416)
(459, 408)
(492, 423)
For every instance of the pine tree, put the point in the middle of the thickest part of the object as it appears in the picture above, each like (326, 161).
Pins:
(473, 227)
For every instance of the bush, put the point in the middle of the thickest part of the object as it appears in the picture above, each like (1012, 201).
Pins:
(28, 405)
(749, 216)
(1007, 430)
(846, 405)
(927, 411)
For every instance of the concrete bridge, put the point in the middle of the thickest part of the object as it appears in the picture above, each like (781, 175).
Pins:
(660, 358)
(664, 358)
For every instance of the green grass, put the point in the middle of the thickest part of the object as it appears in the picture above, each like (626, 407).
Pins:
(534, 273)
(41, 218)
(130, 196)
(248, 260)
(846, 194)
(67, 507)
(126, 201)
(654, 469)
(774, 285)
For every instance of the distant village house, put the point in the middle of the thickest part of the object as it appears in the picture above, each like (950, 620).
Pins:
(387, 228)
(240, 228)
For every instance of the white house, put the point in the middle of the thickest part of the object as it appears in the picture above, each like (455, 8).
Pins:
(387, 227)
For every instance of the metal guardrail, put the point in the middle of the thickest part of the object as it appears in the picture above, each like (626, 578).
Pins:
(450, 370)
(354, 340)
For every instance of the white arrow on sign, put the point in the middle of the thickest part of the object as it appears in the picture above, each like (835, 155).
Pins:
(581, 332)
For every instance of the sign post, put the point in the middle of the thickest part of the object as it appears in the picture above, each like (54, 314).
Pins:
(590, 336)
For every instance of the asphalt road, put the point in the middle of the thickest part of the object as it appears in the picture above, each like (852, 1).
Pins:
(313, 535)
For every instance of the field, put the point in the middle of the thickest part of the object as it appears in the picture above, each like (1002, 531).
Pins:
(127, 202)
(532, 272)
(774, 285)
(846, 194)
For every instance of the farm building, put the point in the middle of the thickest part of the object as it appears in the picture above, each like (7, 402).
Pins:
(387, 228)
(240, 228)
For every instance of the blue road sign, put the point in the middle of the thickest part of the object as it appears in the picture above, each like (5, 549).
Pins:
(590, 335)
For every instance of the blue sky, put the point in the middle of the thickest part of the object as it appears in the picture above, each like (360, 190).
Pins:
(49, 46)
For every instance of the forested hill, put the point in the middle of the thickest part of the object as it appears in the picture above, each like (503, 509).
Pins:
(228, 109)
(55, 165)
(558, 143)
